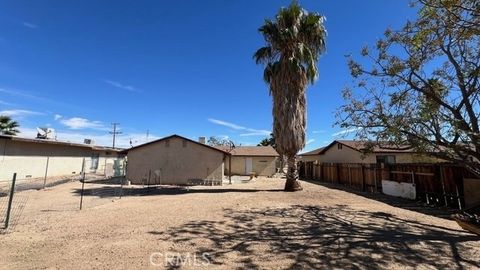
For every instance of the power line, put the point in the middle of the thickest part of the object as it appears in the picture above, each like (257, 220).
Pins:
(115, 132)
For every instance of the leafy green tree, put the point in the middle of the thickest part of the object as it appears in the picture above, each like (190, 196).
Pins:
(419, 86)
(294, 41)
(8, 126)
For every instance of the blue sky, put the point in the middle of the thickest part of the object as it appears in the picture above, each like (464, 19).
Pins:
(181, 67)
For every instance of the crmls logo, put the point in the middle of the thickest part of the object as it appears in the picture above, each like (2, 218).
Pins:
(179, 259)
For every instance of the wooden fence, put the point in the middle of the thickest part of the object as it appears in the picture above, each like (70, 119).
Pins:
(436, 184)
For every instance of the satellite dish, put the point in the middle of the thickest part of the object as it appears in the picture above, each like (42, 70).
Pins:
(45, 133)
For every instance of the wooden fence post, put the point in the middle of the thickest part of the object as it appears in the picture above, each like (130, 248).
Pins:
(439, 169)
(330, 172)
(363, 177)
(305, 170)
(350, 175)
(321, 172)
(313, 171)
(338, 173)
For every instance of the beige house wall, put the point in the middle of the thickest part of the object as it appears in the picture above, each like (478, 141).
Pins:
(310, 158)
(262, 166)
(29, 160)
(174, 161)
(238, 165)
(344, 155)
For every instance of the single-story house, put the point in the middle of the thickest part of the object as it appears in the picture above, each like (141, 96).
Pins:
(313, 155)
(38, 158)
(261, 160)
(350, 151)
(175, 160)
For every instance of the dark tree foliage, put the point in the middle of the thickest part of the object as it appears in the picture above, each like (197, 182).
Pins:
(270, 141)
(8, 126)
(419, 86)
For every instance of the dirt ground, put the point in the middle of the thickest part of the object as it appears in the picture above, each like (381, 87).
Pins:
(244, 225)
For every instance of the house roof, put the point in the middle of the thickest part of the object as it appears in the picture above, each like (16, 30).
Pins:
(378, 147)
(62, 143)
(313, 152)
(175, 136)
(259, 151)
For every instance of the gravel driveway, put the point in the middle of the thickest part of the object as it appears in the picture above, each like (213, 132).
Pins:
(244, 225)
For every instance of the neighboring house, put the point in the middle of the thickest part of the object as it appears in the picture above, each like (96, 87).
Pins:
(261, 160)
(34, 158)
(313, 155)
(346, 151)
(175, 160)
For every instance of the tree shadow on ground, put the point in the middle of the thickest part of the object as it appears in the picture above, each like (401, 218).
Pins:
(416, 206)
(116, 191)
(305, 236)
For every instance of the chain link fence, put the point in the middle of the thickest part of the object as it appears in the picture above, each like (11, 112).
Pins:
(67, 193)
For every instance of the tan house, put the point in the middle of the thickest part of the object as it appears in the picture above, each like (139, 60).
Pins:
(175, 160)
(261, 160)
(349, 151)
(40, 158)
(313, 155)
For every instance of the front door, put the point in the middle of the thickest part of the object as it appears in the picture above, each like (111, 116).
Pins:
(248, 165)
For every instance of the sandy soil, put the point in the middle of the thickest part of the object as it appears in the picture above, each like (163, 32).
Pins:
(253, 225)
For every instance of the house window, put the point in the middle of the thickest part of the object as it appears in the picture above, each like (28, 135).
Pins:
(167, 143)
(184, 143)
(339, 146)
(387, 159)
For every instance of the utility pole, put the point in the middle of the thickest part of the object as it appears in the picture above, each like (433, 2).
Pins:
(114, 132)
(148, 133)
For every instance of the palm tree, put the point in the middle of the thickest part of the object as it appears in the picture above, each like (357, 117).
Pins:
(270, 141)
(8, 126)
(294, 41)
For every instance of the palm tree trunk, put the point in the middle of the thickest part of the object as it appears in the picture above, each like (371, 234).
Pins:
(292, 183)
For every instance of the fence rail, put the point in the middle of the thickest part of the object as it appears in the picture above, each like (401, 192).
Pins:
(436, 184)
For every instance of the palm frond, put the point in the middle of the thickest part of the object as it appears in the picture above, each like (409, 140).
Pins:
(8, 126)
(263, 55)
